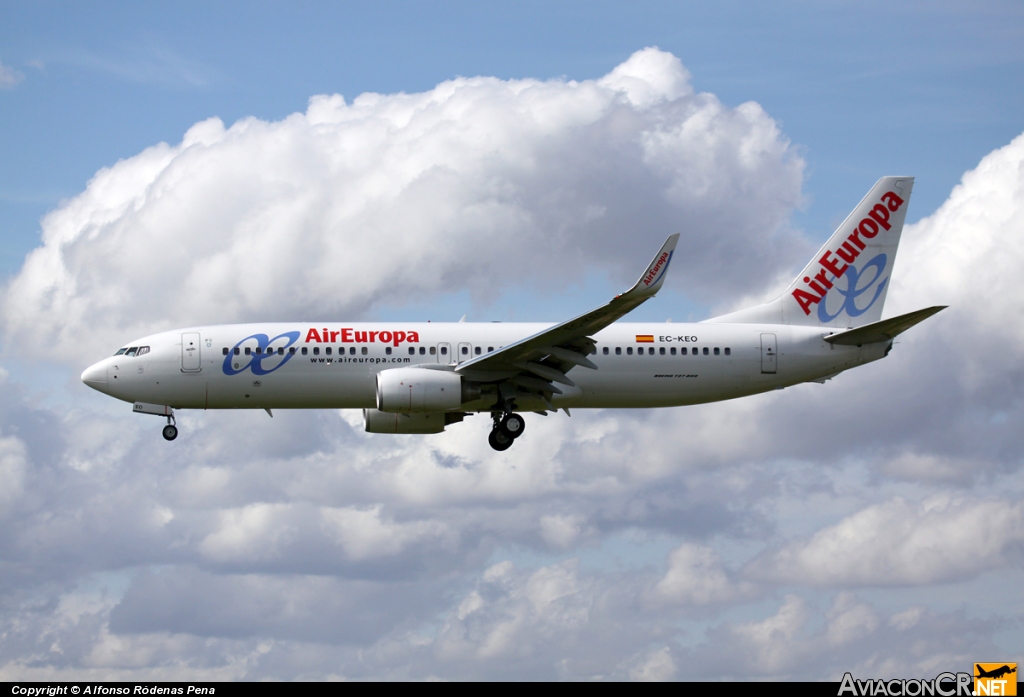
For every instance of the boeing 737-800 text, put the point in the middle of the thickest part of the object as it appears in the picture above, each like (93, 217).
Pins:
(422, 377)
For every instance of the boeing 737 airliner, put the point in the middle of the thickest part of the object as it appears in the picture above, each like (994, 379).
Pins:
(420, 378)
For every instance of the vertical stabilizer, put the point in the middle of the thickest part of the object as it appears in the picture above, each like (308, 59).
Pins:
(846, 282)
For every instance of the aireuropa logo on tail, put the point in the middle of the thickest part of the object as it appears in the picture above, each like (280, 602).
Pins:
(839, 263)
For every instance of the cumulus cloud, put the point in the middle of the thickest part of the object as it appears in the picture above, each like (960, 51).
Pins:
(696, 576)
(350, 205)
(801, 641)
(303, 547)
(898, 542)
(12, 473)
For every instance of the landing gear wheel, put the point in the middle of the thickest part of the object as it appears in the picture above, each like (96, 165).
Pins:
(513, 425)
(499, 441)
(170, 432)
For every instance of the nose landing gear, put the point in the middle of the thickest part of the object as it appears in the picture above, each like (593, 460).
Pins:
(170, 430)
(507, 427)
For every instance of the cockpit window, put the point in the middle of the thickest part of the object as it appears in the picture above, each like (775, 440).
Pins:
(120, 351)
(143, 350)
(131, 350)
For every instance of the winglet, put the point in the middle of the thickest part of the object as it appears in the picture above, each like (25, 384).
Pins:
(651, 280)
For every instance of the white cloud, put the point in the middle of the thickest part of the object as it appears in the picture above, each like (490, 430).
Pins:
(9, 77)
(390, 197)
(659, 667)
(696, 576)
(302, 547)
(899, 542)
(12, 473)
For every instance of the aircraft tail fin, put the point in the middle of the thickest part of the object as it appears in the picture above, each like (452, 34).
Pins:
(845, 283)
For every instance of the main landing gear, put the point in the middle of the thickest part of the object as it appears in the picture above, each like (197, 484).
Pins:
(507, 427)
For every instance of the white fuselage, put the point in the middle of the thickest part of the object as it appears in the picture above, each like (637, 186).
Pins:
(326, 365)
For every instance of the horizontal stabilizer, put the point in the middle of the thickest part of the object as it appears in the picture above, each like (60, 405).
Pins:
(886, 330)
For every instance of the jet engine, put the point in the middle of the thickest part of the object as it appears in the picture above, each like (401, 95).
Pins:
(407, 390)
(428, 422)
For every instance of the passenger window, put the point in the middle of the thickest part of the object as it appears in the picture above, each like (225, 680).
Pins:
(237, 350)
(465, 350)
(489, 349)
(132, 350)
(305, 350)
(316, 350)
(248, 351)
(423, 350)
(478, 350)
(672, 350)
(327, 351)
(226, 352)
(280, 351)
(364, 351)
(662, 350)
(717, 351)
(120, 351)
(629, 350)
(605, 351)
(618, 350)
(412, 350)
(705, 350)
(291, 351)
(388, 350)
(433, 350)
(444, 350)
(728, 351)
(352, 351)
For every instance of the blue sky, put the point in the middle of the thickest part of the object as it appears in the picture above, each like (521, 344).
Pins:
(872, 524)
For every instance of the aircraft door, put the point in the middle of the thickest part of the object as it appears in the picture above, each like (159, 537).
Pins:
(444, 353)
(190, 356)
(465, 353)
(769, 353)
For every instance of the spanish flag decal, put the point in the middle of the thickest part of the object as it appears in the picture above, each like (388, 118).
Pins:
(645, 338)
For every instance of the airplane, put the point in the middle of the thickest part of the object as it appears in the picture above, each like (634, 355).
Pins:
(419, 378)
(994, 673)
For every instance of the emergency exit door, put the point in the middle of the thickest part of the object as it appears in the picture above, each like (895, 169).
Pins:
(444, 353)
(190, 357)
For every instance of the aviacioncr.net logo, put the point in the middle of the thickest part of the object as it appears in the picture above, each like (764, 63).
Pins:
(262, 359)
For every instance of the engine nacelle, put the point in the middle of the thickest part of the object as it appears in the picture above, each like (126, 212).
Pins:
(429, 422)
(407, 390)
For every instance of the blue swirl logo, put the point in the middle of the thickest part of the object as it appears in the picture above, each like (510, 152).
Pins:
(255, 359)
(854, 289)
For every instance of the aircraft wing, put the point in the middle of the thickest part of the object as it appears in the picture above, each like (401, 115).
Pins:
(537, 361)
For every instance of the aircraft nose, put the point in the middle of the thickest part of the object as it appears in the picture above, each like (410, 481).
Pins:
(95, 376)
